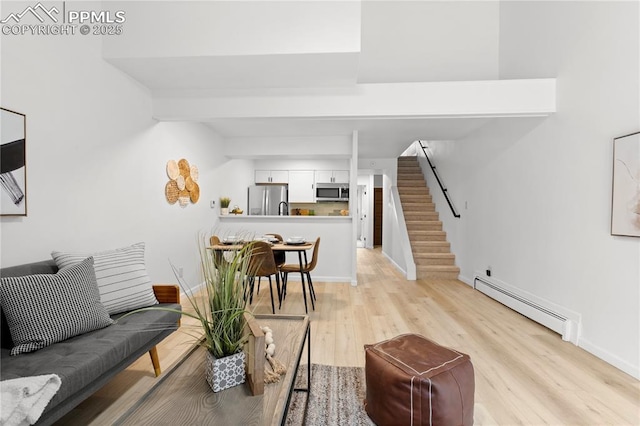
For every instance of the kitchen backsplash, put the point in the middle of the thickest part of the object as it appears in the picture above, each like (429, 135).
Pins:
(320, 209)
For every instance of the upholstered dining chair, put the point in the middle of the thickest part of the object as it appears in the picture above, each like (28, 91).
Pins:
(279, 256)
(218, 256)
(304, 271)
(262, 264)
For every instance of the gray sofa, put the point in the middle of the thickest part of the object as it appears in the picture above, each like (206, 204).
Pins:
(85, 363)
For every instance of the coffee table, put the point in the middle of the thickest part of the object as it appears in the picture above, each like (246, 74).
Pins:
(182, 395)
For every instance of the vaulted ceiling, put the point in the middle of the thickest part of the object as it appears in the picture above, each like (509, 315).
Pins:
(238, 49)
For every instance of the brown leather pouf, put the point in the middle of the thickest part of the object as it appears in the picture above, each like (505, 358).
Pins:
(413, 381)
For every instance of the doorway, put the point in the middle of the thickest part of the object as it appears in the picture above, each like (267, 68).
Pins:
(377, 216)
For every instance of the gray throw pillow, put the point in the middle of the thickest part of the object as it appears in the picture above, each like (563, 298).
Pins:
(43, 309)
(123, 281)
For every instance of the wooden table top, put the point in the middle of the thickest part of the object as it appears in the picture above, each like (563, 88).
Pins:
(183, 396)
(274, 247)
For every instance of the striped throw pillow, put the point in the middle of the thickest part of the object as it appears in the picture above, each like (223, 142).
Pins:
(43, 309)
(122, 276)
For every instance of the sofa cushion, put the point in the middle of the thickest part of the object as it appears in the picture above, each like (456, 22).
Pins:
(91, 358)
(122, 276)
(43, 309)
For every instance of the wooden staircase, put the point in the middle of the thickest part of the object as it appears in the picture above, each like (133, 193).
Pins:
(431, 251)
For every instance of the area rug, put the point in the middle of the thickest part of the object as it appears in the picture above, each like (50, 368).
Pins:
(337, 396)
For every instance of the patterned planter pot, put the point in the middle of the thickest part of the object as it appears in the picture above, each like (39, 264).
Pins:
(224, 373)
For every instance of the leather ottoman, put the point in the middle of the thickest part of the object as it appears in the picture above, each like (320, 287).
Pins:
(411, 380)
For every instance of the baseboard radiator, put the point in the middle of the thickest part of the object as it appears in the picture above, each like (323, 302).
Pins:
(565, 324)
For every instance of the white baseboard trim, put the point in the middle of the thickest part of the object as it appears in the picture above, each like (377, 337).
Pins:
(608, 357)
(188, 292)
(465, 280)
(404, 272)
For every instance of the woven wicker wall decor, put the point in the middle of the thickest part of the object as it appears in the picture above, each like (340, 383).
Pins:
(183, 183)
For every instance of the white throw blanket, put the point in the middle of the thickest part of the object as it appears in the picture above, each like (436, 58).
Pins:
(24, 399)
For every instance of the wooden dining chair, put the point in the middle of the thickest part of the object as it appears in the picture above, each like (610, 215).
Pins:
(304, 271)
(262, 264)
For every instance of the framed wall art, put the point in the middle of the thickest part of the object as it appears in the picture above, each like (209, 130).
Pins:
(625, 206)
(13, 165)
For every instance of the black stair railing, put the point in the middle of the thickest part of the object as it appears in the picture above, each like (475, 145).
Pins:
(442, 187)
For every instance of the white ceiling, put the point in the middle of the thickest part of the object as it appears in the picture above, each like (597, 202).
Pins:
(377, 138)
(400, 42)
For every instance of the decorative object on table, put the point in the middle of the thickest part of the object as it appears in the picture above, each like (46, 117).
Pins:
(13, 166)
(625, 205)
(224, 373)
(224, 205)
(220, 312)
(182, 186)
(236, 210)
(275, 368)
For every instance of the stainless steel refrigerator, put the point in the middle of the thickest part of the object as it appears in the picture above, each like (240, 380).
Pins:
(268, 200)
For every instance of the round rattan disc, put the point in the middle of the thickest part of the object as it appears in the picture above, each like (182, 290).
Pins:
(183, 198)
(172, 169)
(180, 182)
(171, 191)
(195, 193)
(189, 183)
(195, 173)
(183, 165)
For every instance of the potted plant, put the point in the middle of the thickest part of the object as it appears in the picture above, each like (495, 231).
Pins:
(224, 205)
(221, 313)
(220, 310)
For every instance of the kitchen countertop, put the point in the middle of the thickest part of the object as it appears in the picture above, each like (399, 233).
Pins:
(282, 218)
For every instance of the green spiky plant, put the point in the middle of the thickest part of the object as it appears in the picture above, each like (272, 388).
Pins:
(224, 202)
(221, 307)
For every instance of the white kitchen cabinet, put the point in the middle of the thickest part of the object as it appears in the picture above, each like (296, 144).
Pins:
(272, 176)
(341, 176)
(332, 176)
(301, 186)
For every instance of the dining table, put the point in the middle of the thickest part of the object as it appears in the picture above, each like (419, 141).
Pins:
(300, 247)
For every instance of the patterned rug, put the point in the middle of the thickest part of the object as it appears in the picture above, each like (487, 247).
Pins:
(337, 395)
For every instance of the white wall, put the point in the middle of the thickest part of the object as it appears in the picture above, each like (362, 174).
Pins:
(538, 192)
(96, 160)
(232, 28)
(466, 46)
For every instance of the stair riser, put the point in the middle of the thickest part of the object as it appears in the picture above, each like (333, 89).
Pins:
(424, 226)
(409, 199)
(437, 275)
(432, 262)
(411, 183)
(416, 247)
(427, 208)
(422, 215)
(425, 237)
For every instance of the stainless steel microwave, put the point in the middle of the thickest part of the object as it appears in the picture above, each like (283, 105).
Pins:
(332, 192)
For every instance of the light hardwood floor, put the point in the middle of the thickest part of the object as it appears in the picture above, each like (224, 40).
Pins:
(525, 374)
